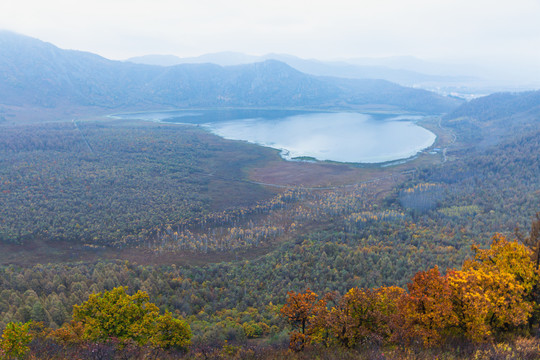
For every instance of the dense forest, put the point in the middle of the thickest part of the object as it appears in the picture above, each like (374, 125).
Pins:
(96, 182)
(342, 268)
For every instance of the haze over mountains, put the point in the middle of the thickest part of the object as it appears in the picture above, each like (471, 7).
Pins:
(502, 106)
(463, 80)
(404, 71)
(36, 73)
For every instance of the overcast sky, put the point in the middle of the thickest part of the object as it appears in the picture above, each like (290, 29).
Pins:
(457, 30)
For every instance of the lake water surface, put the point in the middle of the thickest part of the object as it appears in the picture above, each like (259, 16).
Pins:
(343, 137)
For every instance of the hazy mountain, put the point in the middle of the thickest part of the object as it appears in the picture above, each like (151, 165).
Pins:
(501, 106)
(33, 72)
(490, 120)
(348, 70)
(225, 58)
(154, 59)
(411, 63)
(36, 73)
(385, 69)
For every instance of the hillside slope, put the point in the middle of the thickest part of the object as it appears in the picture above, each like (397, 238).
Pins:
(500, 106)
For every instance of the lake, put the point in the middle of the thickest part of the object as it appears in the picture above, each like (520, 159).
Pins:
(333, 136)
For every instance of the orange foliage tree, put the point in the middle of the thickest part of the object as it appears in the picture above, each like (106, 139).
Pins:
(493, 294)
(427, 310)
(363, 315)
(301, 310)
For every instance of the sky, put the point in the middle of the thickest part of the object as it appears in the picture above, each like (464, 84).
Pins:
(473, 31)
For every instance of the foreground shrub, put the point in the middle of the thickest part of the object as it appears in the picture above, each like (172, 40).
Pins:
(128, 318)
(15, 340)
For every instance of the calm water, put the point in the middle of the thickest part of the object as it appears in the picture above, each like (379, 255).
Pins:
(342, 137)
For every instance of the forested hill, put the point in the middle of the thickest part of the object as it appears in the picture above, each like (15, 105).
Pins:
(35, 73)
(500, 106)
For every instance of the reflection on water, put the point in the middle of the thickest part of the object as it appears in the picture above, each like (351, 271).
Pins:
(343, 137)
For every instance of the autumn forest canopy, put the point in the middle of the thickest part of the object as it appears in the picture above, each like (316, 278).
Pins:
(123, 238)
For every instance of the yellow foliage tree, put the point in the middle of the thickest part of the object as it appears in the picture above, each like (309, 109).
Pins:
(171, 333)
(492, 290)
(115, 314)
(15, 340)
(506, 257)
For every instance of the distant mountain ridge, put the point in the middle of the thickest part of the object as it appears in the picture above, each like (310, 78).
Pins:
(36, 73)
(500, 106)
(352, 68)
(489, 120)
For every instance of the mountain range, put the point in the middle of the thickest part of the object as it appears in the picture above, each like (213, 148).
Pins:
(394, 69)
(36, 73)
